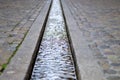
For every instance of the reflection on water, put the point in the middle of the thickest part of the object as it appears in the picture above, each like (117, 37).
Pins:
(54, 60)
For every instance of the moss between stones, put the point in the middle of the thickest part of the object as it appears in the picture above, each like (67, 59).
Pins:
(16, 25)
(5, 65)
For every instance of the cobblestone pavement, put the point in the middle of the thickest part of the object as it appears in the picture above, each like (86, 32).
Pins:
(99, 21)
(16, 18)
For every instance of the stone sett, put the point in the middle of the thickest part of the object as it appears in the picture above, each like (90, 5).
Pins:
(99, 22)
(16, 18)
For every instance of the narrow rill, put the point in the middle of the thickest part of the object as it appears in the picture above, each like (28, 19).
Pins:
(54, 60)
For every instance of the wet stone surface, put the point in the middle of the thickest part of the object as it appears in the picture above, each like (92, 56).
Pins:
(54, 60)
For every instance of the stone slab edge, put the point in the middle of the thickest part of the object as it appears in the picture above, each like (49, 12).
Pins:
(18, 68)
(87, 67)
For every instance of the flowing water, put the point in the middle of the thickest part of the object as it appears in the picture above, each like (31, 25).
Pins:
(54, 60)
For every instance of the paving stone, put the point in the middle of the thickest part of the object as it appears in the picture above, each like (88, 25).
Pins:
(116, 66)
(4, 56)
(108, 52)
(14, 23)
(13, 47)
(111, 42)
(116, 49)
(104, 46)
(10, 40)
(113, 78)
(104, 64)
(2, 40)
(102, 21)
(113, 58)
(109, 71)
(3, 35)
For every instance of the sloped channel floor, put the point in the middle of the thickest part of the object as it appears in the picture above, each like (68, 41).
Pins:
(54, 60)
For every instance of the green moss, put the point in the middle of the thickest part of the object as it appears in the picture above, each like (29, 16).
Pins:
(10, 35)
(5, 65)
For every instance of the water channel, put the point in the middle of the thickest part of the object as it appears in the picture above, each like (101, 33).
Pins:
(54, 60)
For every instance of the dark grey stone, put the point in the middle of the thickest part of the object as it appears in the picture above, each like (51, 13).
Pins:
(115, 64)
(113, 78)
(109, 71)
